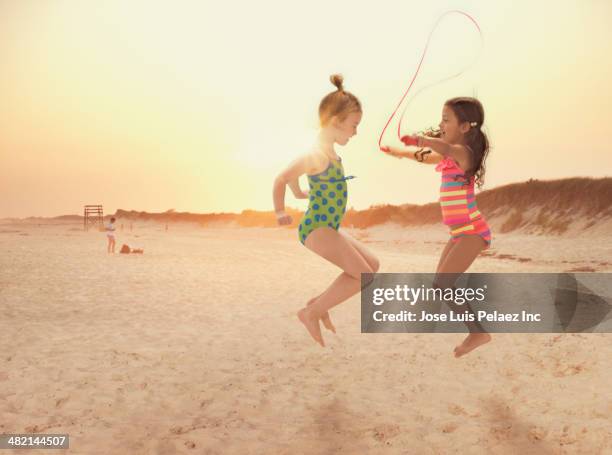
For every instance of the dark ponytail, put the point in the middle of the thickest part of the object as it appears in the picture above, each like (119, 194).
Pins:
(470, 110)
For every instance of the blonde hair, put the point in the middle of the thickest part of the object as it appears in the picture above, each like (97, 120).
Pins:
(338, 103)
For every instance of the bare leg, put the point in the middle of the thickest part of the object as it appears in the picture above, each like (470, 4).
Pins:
(368, 256)
(338, 249)
(445, 251)
(458, 259)
(325, 319)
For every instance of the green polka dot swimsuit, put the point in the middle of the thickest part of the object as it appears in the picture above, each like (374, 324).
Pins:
(327, 200)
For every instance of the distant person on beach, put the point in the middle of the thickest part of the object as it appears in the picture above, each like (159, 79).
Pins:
(459, 149)
(110, 235)
(339, 114)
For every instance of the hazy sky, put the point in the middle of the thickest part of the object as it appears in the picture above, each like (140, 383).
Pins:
(196, 105)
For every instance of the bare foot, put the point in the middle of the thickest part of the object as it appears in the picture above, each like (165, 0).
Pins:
(325, 319)
(311, 322)
(472, 341)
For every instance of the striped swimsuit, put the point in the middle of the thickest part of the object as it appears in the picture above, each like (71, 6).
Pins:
(458, 203)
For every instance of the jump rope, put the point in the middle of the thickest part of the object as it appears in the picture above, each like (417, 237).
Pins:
(416, 73)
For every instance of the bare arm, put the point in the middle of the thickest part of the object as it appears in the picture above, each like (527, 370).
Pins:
(294, 186)
(290, 177)
(427, 156)
(458, 152)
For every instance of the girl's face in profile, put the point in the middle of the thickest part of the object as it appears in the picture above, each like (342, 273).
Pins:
(450, 129)
(347, 128)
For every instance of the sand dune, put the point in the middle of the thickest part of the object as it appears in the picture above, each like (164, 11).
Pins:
(566, 206)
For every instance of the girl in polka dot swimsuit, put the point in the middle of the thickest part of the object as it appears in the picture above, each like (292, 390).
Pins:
(339, 114)
(328, 192)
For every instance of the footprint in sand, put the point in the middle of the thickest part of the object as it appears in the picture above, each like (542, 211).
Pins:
(386, 431)
(537, 433)
(562, 371)
(553, 340)
(570, 436)
(449, 427)
(456, 410)
(61, 401)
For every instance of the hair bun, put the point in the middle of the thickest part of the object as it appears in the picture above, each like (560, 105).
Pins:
(337, 80)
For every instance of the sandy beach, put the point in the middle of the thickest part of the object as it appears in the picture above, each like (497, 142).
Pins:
(208, 133)
(194, 348)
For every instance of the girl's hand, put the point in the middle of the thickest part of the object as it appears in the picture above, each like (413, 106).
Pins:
(410, 140)
(283, 219)
(389, 151)
(301, 195)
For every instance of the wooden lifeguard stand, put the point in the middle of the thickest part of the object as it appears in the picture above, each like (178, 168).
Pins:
(93, 215)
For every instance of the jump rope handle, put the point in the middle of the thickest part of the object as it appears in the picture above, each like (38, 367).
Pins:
(409, 140)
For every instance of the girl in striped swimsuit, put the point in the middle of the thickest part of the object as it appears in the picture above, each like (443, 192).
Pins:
(459, 150)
